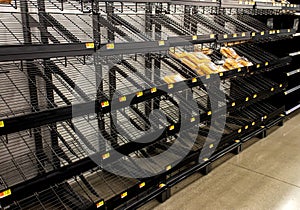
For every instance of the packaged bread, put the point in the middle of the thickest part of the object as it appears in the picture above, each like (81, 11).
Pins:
(197, 60)
(193, 58)
(189, 63)
(228, 52)
(5, 1)
(200, 72)
(207, 51)
(201, 56)
(173, 78)
(231, 64)
(244, 61)
(208, 68)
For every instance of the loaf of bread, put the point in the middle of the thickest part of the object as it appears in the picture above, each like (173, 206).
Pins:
(231, 64)
(207, 51)
(5, 1)
(193, 58)
(200, 72)
(201, 56)
(208, 68)
(229, 52)
(244, 61)
(189, 63)
(173, 78)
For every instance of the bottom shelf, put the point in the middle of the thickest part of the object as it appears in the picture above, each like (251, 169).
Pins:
(98, 189)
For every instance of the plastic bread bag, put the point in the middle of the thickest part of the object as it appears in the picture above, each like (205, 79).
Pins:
(244, 61)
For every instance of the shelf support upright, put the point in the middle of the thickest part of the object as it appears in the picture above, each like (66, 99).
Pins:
(49, 89)
(194, 28)
(111, 72)
(97, 61)
(31, 72)
(186, 17)
(148, 57)
(157, 61)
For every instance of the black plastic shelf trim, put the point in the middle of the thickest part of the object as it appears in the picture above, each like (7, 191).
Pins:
(36, 119)
(237, 4)
(244, 36)
(257, 36)
(37, 51)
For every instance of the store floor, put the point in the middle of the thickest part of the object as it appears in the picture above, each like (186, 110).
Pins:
(264, 176)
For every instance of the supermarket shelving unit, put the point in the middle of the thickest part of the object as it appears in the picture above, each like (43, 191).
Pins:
(60, 57)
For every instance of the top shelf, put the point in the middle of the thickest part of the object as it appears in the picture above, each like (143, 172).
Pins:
(87, 6)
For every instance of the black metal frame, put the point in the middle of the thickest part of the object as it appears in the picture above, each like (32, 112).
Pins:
(153, 60)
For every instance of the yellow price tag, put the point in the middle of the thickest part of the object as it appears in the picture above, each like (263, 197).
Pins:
(233, 104)
(211, 146)
(171, 127)
(225, 36)
(209, 113)
(266, 63)
(240, 131)
(246, 127)
(110, 46)
(161, 185)
(193, 119)
(5, 193)
(104, 104)
(221, 74)
(258, 65)
(234, 35)
(194, 80)
(253, 34)
(253, 123)
(168, 167)
(212, 36)
(153, 90)
(243, 34)
(99, 204)
(170, 86)
(90, 45)
(1, 124)
(195, 37)
(239, 69)
(122, 99)
(208, 76)
(142, 185)
(161, 43)
(262, 33)
(139, 94)
(247, 99)
(272, 89)
(124, 194)
(105, 156)
(255, 96)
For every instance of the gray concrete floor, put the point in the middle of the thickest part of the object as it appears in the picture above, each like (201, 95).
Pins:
(264, 176)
